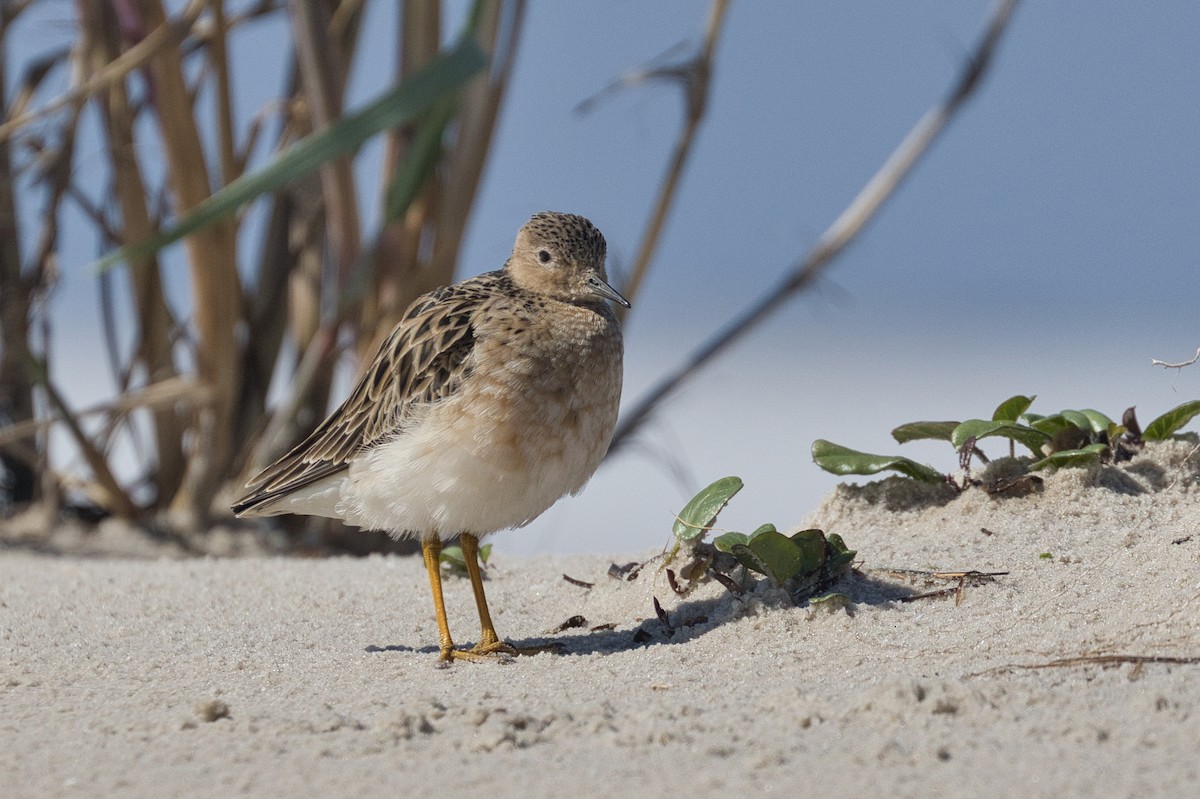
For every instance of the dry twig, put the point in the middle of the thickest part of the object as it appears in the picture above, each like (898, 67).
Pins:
(134, 57)
(1091, 660)
(1180, 365)
(694, 76)
(843, 230)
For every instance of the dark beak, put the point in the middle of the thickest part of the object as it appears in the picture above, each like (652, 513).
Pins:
(599, 287)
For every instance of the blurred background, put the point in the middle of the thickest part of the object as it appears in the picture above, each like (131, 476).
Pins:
(1047, 244)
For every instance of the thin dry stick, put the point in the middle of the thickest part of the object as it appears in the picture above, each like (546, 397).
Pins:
(843, 230)
(218, 54)
(164, 394)
(1090, 660)
(121, 503)
(499, 32)
(133, 58)
(1180, 365)
(696, 77)
(324, 88)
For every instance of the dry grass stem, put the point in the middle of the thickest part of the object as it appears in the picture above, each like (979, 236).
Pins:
(843, 230)
(168, 33)
(695, 77)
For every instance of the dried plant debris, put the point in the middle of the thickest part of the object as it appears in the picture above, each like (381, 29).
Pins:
(1015, 486)
(1137, 661)
(662, 617)
(580, 583)
(666, 624)
(570, 624)
(961, 581)
(627, 572)
(212, 710)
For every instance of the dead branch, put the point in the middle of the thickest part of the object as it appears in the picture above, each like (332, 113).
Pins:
(170, 31)
(844, 229)
(694, 76)
(164, 394)
(323, 79)
(119, 501)
(1180, 365)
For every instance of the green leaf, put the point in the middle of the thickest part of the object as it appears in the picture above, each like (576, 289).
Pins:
(831, 601)
(1070, 457)
(772, 554)
(727, 541)
(750, 559)
(917, 431)
(1050, 425)
(843, 460)
(839, 555)
(764, 528)
(698, 515)
(1087, 420)
(452, 558)
(981, 428)
(420, 159)
(1011, 409)
(443, 75)
(1165, 426)
(811, 544)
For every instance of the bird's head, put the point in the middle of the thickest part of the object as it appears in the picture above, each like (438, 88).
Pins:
(562, 255)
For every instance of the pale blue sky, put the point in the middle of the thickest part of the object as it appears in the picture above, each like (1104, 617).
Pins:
(1048, 244)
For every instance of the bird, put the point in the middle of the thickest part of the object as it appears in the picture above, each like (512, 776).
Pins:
(489, 401)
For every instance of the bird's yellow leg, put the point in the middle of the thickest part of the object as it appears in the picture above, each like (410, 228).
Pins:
(432, 550)
(489, 642)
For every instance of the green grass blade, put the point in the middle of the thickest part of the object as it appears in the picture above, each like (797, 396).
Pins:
(420, 160)
(845, 461)
(442, 75)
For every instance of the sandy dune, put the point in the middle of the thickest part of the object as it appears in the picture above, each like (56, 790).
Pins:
(291, 677)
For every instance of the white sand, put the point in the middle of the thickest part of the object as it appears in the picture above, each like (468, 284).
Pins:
(111, 669)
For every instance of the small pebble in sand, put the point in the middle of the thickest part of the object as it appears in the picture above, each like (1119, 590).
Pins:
(212, 710)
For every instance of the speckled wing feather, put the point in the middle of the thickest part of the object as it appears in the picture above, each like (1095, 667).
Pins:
(425, 359)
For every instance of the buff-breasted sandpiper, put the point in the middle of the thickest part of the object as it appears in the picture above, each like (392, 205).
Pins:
(490, 400)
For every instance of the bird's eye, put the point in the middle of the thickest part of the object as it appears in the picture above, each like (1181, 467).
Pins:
(544, 256)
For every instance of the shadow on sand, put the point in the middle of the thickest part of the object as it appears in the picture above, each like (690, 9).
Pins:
(689, 620)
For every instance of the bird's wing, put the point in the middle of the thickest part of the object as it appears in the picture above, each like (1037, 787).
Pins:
(424, 359)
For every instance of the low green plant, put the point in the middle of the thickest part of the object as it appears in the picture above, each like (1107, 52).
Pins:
(453, 562)
(805, 563)
(1064, 439)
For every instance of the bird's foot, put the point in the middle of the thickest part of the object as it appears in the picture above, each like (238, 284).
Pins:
(496, 651)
